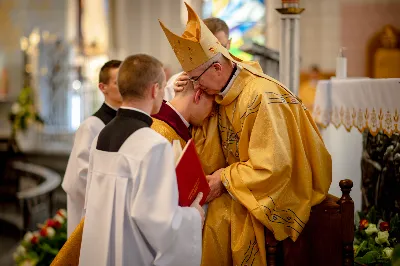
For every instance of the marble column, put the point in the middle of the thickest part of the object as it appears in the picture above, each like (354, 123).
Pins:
(289, 61)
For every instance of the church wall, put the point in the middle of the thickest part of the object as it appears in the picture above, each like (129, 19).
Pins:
(18, 18)
(360, 21)
(135, 28)
(327, 25)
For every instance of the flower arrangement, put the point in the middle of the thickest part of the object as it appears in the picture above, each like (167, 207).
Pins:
(375, 239)
(23, 112)
(40, 247)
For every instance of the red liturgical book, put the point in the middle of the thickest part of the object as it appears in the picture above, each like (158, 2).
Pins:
(190, 175)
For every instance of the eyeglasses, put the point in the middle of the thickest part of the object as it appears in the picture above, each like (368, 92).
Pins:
(196, 80)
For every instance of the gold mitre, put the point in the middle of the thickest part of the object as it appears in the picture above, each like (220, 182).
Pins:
(197, 44)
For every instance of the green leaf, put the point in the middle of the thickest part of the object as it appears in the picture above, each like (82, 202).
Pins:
(372, 216)
(396, 256)
(46, 247)
(395, 225)
(361, 215)
(369, 258)
(362, 249)
(359, 260)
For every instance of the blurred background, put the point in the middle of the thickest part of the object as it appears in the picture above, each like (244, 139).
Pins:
(51, 52)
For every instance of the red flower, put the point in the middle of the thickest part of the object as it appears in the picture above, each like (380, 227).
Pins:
(53, 223)
(35, 240)
(384, 226)
(43, 231)
(363, 224)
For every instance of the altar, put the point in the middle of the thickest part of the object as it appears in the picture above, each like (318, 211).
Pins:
(352, 114)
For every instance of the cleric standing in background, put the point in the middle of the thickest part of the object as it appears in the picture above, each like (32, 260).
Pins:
(74, 183)
(262, 148)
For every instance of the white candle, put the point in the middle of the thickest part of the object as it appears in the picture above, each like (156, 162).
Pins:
(341, 65)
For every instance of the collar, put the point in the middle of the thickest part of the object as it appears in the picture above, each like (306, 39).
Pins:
(134, 109)
(235, 72)
(176, 111)
(242, 79)
(172, 118)
(131, 112)
(109, 105)
(108, 109)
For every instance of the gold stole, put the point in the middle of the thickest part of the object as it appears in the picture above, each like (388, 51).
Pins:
(166, 131)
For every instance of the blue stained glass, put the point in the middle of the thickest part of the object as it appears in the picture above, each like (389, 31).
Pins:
(245, 19)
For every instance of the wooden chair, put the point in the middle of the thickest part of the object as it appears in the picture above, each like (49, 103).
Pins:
(327, 238)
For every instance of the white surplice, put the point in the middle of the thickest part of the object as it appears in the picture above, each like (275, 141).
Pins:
(74, 182)
(132, 215)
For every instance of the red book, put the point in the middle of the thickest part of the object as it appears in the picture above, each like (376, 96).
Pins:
(190, 175)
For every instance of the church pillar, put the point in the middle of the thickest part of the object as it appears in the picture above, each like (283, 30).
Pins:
(289, 60)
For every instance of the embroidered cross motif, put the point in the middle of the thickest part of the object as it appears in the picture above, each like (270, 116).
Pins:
(282, 98)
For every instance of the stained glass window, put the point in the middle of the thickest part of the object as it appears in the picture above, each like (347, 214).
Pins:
(245, 19)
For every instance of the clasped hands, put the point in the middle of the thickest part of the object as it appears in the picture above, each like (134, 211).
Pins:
(216, 186)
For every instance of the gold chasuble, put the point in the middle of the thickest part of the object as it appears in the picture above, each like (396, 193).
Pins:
(276, 166)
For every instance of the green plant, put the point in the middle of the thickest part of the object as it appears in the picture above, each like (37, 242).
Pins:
(375, 239)
(23, 111)
(40, 247)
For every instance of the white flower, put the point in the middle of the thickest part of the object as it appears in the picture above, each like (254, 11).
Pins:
(371, 229)
(59, 218)
(15, 256)
(28, 237)
(50, 232)
(15, 108)
(382, 237)
(62, 212)
(388, 252)
(19, 252)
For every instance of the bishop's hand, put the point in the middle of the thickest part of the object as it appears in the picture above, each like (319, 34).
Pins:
(180, 82)
(216, 186)
(196, 204)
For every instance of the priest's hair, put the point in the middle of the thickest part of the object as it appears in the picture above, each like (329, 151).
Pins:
(216, 25)
(137, 73)
(104, 75)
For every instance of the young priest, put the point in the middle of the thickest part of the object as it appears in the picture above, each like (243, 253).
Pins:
(188, 107)
(74, 183)
(132, 213)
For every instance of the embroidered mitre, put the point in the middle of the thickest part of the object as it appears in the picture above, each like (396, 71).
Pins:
(197, 44)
